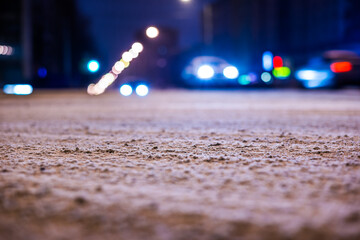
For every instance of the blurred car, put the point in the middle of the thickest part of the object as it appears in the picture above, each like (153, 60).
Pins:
(334, 69)
(210, 71)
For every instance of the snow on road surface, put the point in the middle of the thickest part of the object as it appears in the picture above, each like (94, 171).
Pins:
(181, 165)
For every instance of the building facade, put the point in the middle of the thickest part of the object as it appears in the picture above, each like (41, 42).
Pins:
(50, 41)
(244, 29)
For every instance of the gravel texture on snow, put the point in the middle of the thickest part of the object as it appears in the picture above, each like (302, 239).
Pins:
(180, 165)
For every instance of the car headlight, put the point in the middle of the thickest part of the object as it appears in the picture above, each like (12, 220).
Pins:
(205, 72)
(231, 72)
(142, 90)
(126, 90)
(309, 75)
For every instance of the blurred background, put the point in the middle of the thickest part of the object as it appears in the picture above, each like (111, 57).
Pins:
(197, 44)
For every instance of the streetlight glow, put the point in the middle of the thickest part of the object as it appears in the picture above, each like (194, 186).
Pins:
(137, 47)
(107, 79)
(127, 57)
(152, 32)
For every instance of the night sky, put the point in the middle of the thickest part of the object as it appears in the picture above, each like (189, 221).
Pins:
(113, 23)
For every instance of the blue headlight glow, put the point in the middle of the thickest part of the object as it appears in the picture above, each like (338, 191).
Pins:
(315, 78)
(18, 89)
(205, 72)
(231, 72)
(314, 75)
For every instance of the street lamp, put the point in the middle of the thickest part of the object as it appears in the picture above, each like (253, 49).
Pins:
(152, 32)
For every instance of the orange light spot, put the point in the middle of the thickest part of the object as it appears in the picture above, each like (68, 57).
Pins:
(341, 67)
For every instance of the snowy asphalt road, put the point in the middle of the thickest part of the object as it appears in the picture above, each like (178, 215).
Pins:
(181, 165)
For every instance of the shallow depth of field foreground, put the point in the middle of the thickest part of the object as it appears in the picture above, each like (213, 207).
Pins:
(181, 165)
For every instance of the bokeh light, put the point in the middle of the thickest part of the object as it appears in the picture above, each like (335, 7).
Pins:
(126, 64)
(18, 89)
(152, 32)
(142, 90)
(127, 57)
(278, 62)
(108, 79)
(42, 72)
(119, 66)
(205, 72)
(6, 50)
(231, 72)
(91, 90)
(137, 47)
(253, 77)
(268, 61)
(244, 79)
(126, 90)
(266, 77)
(282, 72)
(93, 66)
(341, 67)
(10, 51)
(315, 78)
(133, 53)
